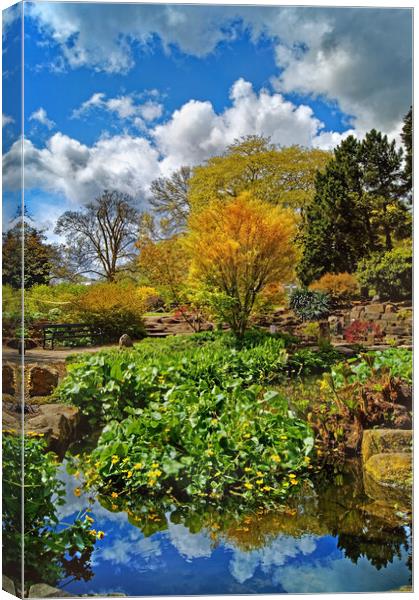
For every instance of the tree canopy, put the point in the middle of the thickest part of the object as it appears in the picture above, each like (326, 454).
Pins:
(282, 176)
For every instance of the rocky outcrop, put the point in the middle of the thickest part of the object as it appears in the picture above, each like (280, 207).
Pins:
(8, 380)
(43, 590)
(8, 585)
(383, 441)
(387, 464)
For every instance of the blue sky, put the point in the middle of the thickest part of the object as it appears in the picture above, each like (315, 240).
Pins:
(117, 95)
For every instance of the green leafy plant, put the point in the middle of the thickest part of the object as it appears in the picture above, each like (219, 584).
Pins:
(207, 443)
(309, 305)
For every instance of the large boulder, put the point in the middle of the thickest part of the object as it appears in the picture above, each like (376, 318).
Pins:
(381, 441)
(58, 423)
(388, 477)
(8, 585)
(42, 381)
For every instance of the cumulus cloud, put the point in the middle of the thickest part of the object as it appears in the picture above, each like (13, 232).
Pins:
(124, 107)
(359, 57)
(6, 120)
(41, 116)
(194, 133)
(81, 172)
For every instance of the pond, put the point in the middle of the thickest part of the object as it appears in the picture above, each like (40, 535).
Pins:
(331, 538)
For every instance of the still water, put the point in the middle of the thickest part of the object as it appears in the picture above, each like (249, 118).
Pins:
(330, 539)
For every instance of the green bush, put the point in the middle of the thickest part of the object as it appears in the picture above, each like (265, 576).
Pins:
(389, 275)
(309, 305)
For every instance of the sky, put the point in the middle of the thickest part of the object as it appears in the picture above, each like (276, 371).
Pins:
(117, 95)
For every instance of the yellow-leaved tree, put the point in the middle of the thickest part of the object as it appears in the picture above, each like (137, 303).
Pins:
(237, 249)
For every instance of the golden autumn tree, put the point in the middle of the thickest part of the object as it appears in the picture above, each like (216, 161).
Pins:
(237, 250)
(281, 176)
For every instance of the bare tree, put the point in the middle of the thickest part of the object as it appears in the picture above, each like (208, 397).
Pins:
(101, 237)
(169, 201)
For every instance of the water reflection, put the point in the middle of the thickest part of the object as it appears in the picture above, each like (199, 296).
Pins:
(330, 539)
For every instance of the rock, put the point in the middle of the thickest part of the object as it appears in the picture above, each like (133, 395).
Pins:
(42, 381)
(8, 378)
(43, 590)
(58, 423)
(381, 441)
(387, 512)
(125, 341)
(373, 309)
(388, 476)
(8, 585)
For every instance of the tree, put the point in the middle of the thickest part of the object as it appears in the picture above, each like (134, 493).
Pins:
(101, 237)
(381, 175)
(169, 200)
(406, 136)
(334, 235)
(238, 249)
(38, 256)
(356, 209)
(280, 176)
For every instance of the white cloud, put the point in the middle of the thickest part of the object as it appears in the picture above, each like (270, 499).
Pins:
(41, 116)
(193, 133)
(190, 545)
(81, 172)
(124, 107)
(196, 132)
(6, 120)
(359, 57)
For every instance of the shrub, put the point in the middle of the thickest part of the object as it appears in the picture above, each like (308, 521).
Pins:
(150, 298)
(52, 302)
(340, 287)
(309, 305)
(360, 331)
(389, 275)
(112, 308)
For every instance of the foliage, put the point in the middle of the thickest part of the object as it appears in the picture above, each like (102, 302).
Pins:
(340, 287)
(38, 257)
(113, 309)
(282, 176)
(389, 275)
(237, 250)
(407, 136)
(363, 392)
(208, 443)
(361, 331)
(311, 329)
(149, 297)
(100, 238)
(306, 361)
(357, 208)
(52, 549)
(11, 305)
(309, 305)
(52, 302)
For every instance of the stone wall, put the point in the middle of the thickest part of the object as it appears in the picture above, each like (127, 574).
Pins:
(393, 320)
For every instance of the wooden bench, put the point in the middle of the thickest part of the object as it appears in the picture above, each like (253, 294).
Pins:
(52, 332)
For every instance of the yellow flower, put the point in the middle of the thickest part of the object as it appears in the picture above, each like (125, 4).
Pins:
(115, 459)
(247, 435)
(157, 473)
(294, 481)
(155, 465)
(283, 437)
(247, 469)
(129, 474)
(151, 482)
(77, 492)
(100, 535)
(138, 466)
(307, 459)
(124, 460)
(276, 458)
(114, 507)
(259, 473)
(89, 519)
(114, 495)
(266, 488)
(93, 532)
(292, 476)
(259, 481)
(210, 452)
(248, 485)
(214, 421)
